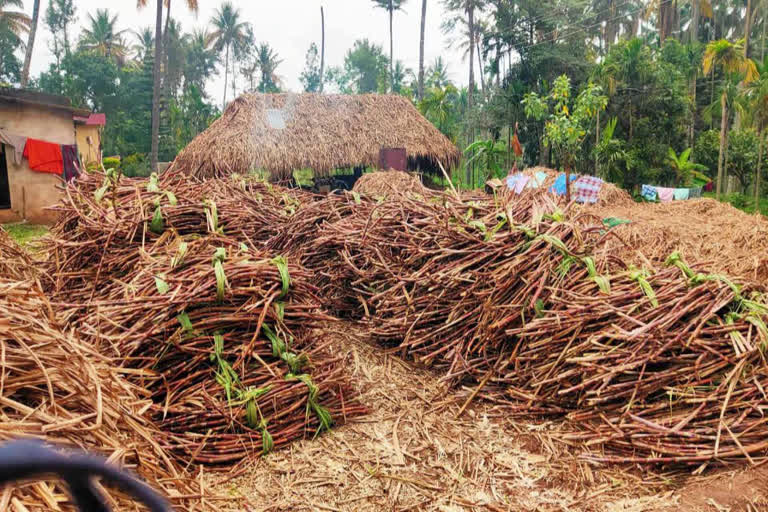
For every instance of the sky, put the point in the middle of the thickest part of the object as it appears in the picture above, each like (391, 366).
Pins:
(290, 26)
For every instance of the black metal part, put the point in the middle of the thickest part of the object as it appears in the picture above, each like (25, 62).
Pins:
(25, 460)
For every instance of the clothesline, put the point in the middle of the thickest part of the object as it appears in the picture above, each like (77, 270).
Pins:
(48, 157)
(585, 188)
(665, 194)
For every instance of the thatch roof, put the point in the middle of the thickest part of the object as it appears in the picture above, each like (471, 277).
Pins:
(280, 133)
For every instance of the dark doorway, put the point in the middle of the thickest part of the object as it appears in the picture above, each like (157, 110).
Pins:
(5, 189)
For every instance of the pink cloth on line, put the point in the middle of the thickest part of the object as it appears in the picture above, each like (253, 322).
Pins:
(521, 182)
(665, 194)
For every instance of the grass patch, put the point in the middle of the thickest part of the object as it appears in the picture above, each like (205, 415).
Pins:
(24, 234)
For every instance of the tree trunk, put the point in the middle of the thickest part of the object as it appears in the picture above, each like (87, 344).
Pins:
(723, 125)
(164, 83)
(156, 87)
(226, 77)
(480, 64)
(747, 28)
(757, 172)
(693, 30)
(322, 49)
(470, 95)
(597, 141)
(30, 43)
(421, 48)
(391, 51)
(762, 39)
(692, 127)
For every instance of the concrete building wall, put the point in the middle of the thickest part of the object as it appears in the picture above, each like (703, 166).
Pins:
(88, 152)
(32, 192)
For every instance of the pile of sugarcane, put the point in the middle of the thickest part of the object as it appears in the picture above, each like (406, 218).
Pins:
(219, 329)
(56, 388)
(662, 367)
(108, 214)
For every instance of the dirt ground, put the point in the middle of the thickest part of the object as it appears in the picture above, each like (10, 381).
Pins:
(413, 453)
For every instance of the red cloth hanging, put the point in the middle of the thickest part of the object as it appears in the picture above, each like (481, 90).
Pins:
(44, 156)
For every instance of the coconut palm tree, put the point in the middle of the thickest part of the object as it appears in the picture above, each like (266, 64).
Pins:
(102, 37)
(437, 74)
(156, 90)
(201, 59)
(757, 92)
(228, 32)
(12, 23)
(391, 6)
(421, 49)
(730, 59)
(268, 61)
(30, 42)
(145, 43)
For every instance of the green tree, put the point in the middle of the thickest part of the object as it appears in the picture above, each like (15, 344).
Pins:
(229, 32)
(310, 77)
(391, 6)
(145, 43)
(365, 66)
(682, 167)
(268, 61)
(757, 92)
(13, 24)
(438, 106)
(566, 125)
(59, 16)
(729, 58)
(201, 60)
(101, 36)
(437, 74)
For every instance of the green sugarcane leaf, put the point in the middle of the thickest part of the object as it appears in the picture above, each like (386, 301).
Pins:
(267, 443)
(161, 285)
(181, 253)
(152, 185)
(285, 277)
(356, 197)
(157, 225)
(186, 323)
(171, 198)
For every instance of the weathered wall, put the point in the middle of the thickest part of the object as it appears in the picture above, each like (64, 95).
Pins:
(32, 192)
(88, 152)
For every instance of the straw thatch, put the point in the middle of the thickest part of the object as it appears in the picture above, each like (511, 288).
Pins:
(280, 133)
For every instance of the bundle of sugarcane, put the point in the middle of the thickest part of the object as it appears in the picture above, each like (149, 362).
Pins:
(224, 329)
(666, 368)
(106, 218)
(60, 390)
(442, 279)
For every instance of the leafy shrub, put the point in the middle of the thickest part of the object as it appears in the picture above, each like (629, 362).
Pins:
(136, 165)
(111, 162)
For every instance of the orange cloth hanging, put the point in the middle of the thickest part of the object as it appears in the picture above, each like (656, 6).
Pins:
(44, 156)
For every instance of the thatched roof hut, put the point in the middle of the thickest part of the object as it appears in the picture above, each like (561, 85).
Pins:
(280, 133)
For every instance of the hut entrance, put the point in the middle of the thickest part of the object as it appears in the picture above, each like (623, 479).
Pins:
(5, 189)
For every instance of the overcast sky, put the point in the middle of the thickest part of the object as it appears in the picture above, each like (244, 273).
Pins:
(290, 26)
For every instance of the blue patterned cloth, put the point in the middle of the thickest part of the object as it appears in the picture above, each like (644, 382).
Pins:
(558, 187)
(648, 192)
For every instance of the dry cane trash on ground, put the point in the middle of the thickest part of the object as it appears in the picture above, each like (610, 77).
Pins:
(514, 298)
